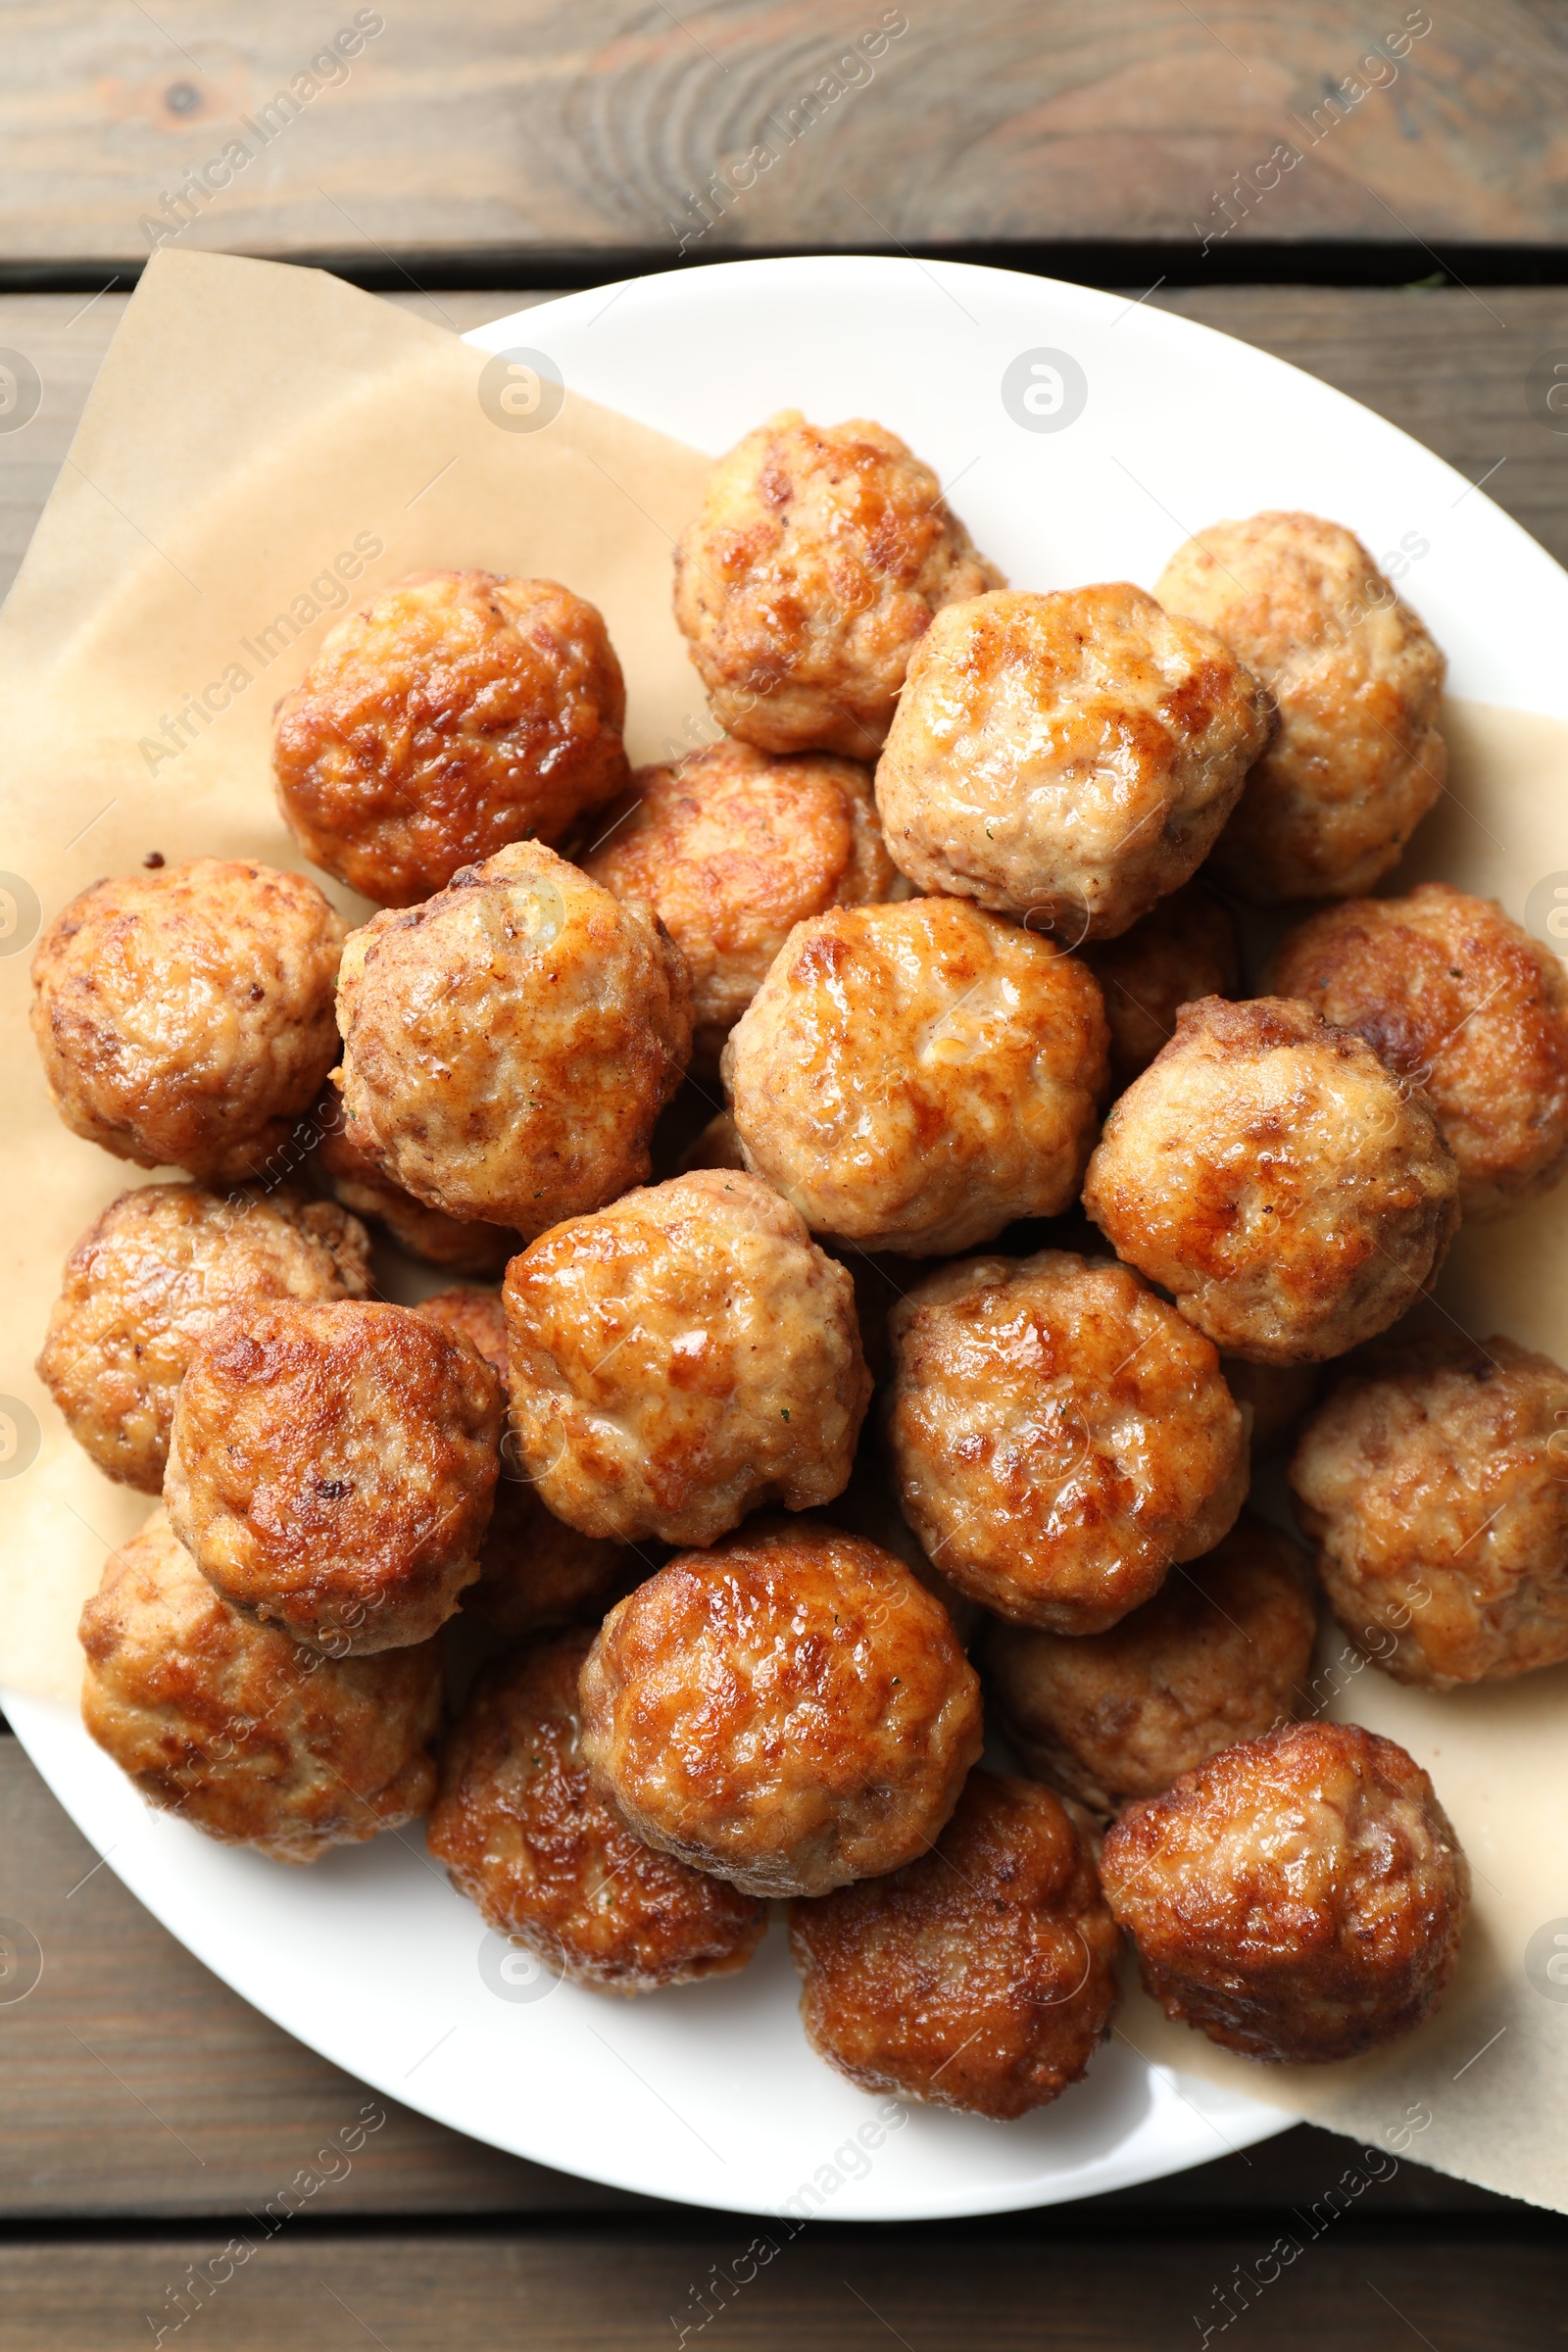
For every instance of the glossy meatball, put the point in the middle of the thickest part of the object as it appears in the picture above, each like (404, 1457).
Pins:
(1221, 1653)
(1292, 1195)
(238, 1728)
(1067, 758)
(459, 711)
(150, 1279)
(790, 1710)
(812, 570)
(914, 1078)
(534, 1569)
(1184, 948)
(681, 1358)
(185, 1015)
(1358, 684)
(509, 1044)
(352, 1177)
(331, 1470)
(1462, 1001)
(733, 847)
(549, 1861)
(1433, 1484)
(1297, 1898)
(1059, 1436)
(981, 1977)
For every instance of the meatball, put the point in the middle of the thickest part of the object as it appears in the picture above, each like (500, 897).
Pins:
(820, 555)
(331, 1469)
(549, 1861)
(459, 1246)
(185, 1015)
(1184, 950)
(149, 1280)
(459, 711)
(533, 1569)
(1275, 1397)
(1456, 998)
(239, 1729)
(981, 1977)
(1298, 1897)
(915, 1077)
(1067, 758)
(1358, 684)
(1432, 1483)
(731, 848)
(1221, 1653)
(681, 1358)
(1292, 1195)
(509, 1046)
(1059, 1436)
(790, 1710)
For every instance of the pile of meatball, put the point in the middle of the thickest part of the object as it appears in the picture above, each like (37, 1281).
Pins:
(911, 1236)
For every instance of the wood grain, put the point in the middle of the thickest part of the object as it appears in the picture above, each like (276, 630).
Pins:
(847, 2290)
(586, 126)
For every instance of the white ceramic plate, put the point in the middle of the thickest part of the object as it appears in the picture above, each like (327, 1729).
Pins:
(708, 2093)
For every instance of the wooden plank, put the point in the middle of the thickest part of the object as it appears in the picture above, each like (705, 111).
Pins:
(133, 2083)
(544, 127)
(1449, 365)
(941, 2292)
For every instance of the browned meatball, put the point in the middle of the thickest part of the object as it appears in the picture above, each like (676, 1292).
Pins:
(1298, 1898)
(816, 563)
(1059, 1436)
(528, 1838)
(1357, 683)
(509, 1046)
(981, 1977)
(1273, 1397)
(241, 1731)
(1459, 1000)
(1184, 948)
(1067, 758)
(331, 1469)
(350, 1176)
(1433, 1484)
(148, 1281)
(1292, 1195)
(459, 711)
(733, 847)
(914, 1078)
(185, 1015)
(1221, 1653)
(790, 1710)
(680, 1359)
(534, 1569)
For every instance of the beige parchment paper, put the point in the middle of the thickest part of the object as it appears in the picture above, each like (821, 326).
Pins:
(265, 445)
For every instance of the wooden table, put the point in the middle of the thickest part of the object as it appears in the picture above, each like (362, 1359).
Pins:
(144, 2109)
